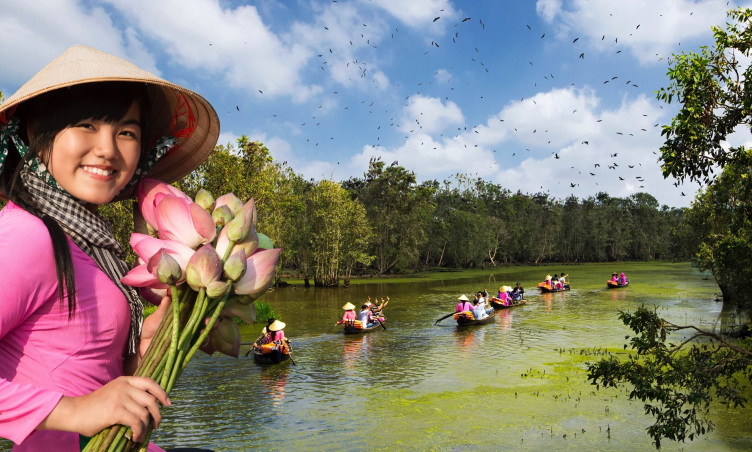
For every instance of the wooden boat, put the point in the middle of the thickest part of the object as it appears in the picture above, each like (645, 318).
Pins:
(463, 321)
(547, 288)
(614, 285)
(498, 305)
(274, 353)
(349, 327)
(274, 357)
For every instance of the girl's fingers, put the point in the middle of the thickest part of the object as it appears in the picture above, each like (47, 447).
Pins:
(137, 418)
(148, 401)
(152, 387)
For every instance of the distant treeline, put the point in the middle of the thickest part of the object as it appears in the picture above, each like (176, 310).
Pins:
(385, 222)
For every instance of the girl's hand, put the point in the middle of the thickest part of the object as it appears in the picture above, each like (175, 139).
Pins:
(129, 401)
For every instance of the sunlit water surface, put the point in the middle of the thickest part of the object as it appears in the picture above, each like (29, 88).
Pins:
(516, 384)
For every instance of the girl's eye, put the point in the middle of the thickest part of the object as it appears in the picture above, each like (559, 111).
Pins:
(86, 126)
(129, 134)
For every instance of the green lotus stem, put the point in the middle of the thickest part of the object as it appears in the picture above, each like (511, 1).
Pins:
(174, 342)
(111, 433)
(208, 327)
(195, 315)
(145, 444)
(119, 432)
(227, 251)
(175, 371)
(152, 367)
(155, 355)
(119, 445)
(94, 442)
(159, 371)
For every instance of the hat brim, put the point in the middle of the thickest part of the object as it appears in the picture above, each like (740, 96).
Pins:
(276, 326)
(81, 65)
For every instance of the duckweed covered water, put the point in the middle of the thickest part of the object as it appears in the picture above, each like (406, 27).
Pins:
(516, 384)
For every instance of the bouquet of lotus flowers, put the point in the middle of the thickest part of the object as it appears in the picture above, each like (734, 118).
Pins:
(207, 256)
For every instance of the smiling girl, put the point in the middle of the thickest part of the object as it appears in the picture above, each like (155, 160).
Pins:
(80, 134)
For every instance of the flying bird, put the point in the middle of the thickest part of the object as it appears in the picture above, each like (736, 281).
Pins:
(466, 19)
(575, 40)
(437, 18)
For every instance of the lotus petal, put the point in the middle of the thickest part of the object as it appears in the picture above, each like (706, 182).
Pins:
(146, 247)
(246, 312)
(175, 218)
(231, 201)
(139, 276)
(259, 272)
(146, 192)
(226, 338)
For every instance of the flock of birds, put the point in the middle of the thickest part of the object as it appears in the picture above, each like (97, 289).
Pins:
(381, 124)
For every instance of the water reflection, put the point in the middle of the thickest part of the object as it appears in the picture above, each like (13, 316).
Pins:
(422, 383)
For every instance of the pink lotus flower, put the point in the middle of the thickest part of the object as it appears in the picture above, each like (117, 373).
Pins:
(146, 193)
(204, 268)
(153, 296)
(226, 338)
(166, 268)
(259, 273)
(146, 247)
(183, 221)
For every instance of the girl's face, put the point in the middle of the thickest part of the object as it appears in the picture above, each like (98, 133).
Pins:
(93, 160)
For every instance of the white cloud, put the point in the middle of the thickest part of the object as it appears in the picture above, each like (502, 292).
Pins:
(228, 137)
(35, 33)
(548, 9)
(442, 76)
(233, 43)
(662, 25)
(417, 13)
(428, 114)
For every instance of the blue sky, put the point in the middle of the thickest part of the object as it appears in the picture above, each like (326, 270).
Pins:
(328, 85)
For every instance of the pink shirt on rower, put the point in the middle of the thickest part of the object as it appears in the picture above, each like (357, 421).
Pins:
(463, 306)
(349, 315)
(44, 355)
(278, 335)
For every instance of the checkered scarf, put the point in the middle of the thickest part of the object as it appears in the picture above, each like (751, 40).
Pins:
(95, 238)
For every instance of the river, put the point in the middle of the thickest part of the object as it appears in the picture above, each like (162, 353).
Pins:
(516, 384)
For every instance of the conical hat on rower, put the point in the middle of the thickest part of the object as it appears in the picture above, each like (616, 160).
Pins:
(348, 306)
(276, 326)
(81, 65)
(463, 298)
(507, 288)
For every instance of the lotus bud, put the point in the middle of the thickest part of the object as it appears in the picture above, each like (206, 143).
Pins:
(238, 228)
(205, 200)
(222, 215)
(259, 274)
(216, 289)
(226, 338)
(167, 268)
(245, 311)
(230, 201)
(249, 245)
(204, 267)
(235, 266)
(250, 209)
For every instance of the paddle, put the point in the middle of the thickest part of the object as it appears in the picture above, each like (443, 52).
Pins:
(289, 352)
(446, 316)
(380, 323)
(332, 327)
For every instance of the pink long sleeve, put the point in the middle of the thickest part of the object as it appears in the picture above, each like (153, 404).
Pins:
(44, 354)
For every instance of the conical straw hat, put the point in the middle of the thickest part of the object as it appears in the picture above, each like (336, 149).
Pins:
(463, 298)
(507, 288)
(277, 325)
(80, 64)
(348, 306)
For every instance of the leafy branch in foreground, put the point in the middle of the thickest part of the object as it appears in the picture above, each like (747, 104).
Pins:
(676, 381)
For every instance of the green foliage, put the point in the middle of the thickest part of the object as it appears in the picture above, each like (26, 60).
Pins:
(120, 216)
(715, 100)
(264, 312)
(677, 382)
(721, 225)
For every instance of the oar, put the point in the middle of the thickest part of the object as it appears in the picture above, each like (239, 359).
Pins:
(380, 323)
(289, 352)
(332, 327)
(446, 316)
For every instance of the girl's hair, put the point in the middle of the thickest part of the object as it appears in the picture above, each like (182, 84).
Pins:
(49, 114)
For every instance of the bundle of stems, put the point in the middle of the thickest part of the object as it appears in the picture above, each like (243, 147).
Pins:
(177, 339)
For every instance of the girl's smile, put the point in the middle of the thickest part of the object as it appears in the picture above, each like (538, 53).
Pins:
(94, 159)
